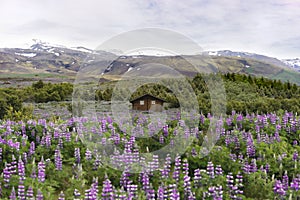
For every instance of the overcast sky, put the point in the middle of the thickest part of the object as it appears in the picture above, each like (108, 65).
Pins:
(270, 27)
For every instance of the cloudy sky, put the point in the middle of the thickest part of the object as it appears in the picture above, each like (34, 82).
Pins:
(270, 27)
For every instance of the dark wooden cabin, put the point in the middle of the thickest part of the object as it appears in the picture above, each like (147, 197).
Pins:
(147, 102)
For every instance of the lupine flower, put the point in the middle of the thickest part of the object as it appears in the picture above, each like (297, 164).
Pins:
(61, 196)
(229, 180)
(253, 167)
(1, 154)
(177, 167)
(185, 167)
(279, 189)
(21, 169)
(174, 195)
(295, 156)
(88, 154)
(29, 194)
(267, 167)
(145, 181)
(13, 166)
(132, 189)
(210, 170)
(77, 155)
(219, 170)
(150, 194)
(6, 175)
(167, 167)
(31, 148)
(76, 194)
(285, 181)
(41, 170)
(39, 195)
(13, 194)
(107, 191)
(187, 186)
(295, 184)
(58, 159)
(21, 191)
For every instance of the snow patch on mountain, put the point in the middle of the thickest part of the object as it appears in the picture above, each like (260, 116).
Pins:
(29, 55)
(293, 63)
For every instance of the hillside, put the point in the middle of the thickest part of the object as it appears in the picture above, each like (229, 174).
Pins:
(60, 64)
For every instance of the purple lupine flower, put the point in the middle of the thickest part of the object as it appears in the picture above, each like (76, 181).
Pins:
(267, 167)
(187, 185)
(97, 162)
(76, 194)
(174, 195)
(48, 140)
(150, 194)
(295, 143)
(279, 189)
(107, 191)
(21, 169)
(1, 154)
(13, 166)
(295, 184)
(145, 181)
(239, 183)
(210, 170)
(21, 191)
(219, 170)
(77, 155)
(41, 170)
(88, 154)
(58, 159)
(124, 180)
(13, 194)
(285, 181)
(295, 156)
(132, 189)
(229, 180)
(160, 193)
(31, 148)
(25, 158)
(250, 147)
(167, 167)
(177, 167)
(39, 195)
(61, 143)
(61, 196)
(68, 136)
(6, 175)
(253, 167)
(29, 193)
(185, 167)
(161, 139)
(197, 178)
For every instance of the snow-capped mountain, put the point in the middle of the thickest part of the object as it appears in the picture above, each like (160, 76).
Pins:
(293, 63)
(41, 57)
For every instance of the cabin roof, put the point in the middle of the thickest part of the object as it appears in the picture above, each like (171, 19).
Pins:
(140, 97)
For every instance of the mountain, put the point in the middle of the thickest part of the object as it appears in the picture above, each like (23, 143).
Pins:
(58, 63)
(293, 63)
(259, 57)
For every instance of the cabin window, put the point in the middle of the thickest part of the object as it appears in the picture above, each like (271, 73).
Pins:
(142, 102)
(153, 102)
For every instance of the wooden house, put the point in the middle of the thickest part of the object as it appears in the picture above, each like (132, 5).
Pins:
(147, 102)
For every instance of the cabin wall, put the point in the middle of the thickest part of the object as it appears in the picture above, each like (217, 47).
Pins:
(158, 106)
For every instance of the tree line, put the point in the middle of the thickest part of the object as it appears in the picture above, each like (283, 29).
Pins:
(244, 93)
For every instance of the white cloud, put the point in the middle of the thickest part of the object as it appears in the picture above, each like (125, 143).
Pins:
(270, 27)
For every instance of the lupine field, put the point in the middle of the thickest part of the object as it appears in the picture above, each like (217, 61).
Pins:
(255, 157)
